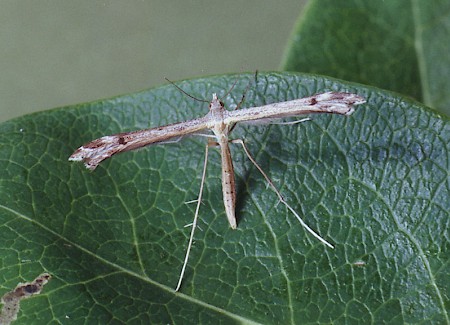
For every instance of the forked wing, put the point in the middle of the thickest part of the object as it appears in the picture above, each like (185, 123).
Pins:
(330, 102)
(94, 152)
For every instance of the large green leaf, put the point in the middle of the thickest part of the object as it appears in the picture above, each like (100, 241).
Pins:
(399, 45)
(375, 184)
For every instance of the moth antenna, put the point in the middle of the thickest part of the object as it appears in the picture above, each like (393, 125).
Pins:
(231, 88)
(256, 76)
(245, 91)
(189, 95)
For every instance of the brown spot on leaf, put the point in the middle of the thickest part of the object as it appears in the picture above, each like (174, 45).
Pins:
(11, 300)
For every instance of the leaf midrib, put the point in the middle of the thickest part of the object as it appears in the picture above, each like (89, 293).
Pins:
(133, 274)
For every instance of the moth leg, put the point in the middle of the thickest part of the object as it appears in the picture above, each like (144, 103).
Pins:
(280, 197)
(194, 222)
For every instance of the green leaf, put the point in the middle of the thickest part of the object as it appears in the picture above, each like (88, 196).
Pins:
(398, 45)
(375, 184)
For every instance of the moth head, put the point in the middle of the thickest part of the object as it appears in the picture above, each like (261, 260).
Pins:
(216, 103)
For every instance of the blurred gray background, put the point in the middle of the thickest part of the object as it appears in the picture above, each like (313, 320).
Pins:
(54, 53)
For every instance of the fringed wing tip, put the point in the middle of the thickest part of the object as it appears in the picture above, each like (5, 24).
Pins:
(82, 154)
(344, 101)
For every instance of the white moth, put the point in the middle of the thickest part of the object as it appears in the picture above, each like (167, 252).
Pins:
(220, 121)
